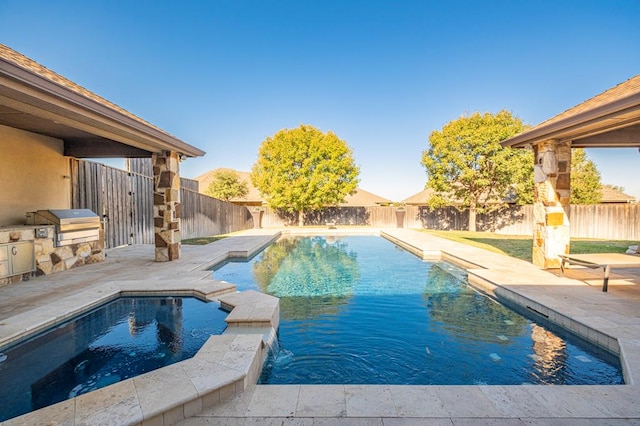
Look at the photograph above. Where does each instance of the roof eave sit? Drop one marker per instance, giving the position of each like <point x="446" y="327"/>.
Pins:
<point x="558" y="129"/>
<point x="103" y="116"/>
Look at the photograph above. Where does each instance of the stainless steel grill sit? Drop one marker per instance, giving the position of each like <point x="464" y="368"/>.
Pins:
<point x="72" y="225"/>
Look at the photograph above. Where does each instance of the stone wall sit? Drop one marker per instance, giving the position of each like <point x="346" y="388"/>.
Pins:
<point x="50" y="259"/>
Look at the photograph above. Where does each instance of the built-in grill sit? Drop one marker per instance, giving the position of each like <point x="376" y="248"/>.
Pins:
<point x="72" y="225"/>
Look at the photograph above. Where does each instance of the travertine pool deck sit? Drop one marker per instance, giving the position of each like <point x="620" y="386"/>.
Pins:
<point x="612" y="319"/>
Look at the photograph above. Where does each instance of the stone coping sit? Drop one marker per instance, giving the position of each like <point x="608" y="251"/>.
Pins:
<point x="241" y="247"/>
<point x="251" y="309"/>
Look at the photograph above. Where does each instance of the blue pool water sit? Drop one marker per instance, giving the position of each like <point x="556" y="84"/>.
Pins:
<point x="121" y="339"/>
<point x="360" y="310"/>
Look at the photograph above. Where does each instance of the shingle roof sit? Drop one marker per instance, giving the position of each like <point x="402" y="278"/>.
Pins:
<point x="622" y="90"/>
<point x="363" y="198"/>
<point x="28" y="75"/>
<point x="419" y="198"/>
<point x="610" y="195"/>
<point x="596" y="122"/>
<point x="26" y="63"/>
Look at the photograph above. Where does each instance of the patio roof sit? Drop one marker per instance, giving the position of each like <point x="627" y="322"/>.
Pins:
<point x="36" y="99"/>
<point x="608" y="120"/>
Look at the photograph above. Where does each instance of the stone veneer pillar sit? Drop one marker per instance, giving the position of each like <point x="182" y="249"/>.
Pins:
<point x="166" y="205"/>
<point x="552" y="190"/>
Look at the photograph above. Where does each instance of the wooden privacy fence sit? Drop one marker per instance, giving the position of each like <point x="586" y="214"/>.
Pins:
<point x="605" y="221"/>
<point x="205" y="216"/>
<point x="124" y="201"/>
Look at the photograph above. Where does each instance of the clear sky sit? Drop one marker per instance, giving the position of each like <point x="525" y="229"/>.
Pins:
<point x="223" y="75"/>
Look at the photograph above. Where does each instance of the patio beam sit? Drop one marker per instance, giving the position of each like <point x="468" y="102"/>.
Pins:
<point x="628" y="137"/>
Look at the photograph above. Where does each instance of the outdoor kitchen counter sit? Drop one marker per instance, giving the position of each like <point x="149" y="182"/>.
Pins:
<point x="14" y="233"/>
<point x="9" y="228"/>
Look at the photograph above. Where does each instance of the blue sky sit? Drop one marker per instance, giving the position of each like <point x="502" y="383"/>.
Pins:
<point x="223" y="75"/>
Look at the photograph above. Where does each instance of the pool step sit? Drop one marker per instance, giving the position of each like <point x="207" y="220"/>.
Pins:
<point x="251" y="309"/>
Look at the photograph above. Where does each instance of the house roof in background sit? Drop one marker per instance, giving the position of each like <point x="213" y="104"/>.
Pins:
<point x="363" y="198"/>
<point x="360" y="198"/>
<point x="419" y="198"/>
<point x="610" y="119"/>
<point x="253" y="196"/>
<point x="611" y="195"/>
<point x="36" y="99"/>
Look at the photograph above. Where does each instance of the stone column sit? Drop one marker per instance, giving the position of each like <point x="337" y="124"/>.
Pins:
<point x="166" y="205"/>
<point x="552" y="190"/>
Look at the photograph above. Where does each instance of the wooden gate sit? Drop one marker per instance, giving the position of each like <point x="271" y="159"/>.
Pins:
<point x="123" y="200"/>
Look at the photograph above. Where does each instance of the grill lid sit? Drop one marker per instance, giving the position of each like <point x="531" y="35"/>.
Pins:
<point x="76" y="215"/>
<point x="67" y="219"/>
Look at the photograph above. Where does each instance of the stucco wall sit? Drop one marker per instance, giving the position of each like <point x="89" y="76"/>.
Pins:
<point x="34" y="175"/>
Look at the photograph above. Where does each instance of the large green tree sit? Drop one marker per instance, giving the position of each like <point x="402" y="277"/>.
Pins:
<point x="227" y="184"/>
<point x="467" y="167"/>
<point x="304" y="169"/>
<point x="586" y="187"/>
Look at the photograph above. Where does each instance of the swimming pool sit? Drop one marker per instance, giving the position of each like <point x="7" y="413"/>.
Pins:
<point x="124" y="338"/>
<point x="360" y="310"/>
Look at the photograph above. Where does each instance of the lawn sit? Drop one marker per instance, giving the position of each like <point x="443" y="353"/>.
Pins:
<point x="520" y="246"/>
<point x="201" y="241"/>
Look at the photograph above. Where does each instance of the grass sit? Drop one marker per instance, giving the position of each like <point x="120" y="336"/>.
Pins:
<point x="201" y="241"/>
<point x="520" y="246"/>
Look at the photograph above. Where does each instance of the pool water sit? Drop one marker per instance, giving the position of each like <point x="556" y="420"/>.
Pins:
<point x="119" y="340"/>
<point x="360" y="310"/>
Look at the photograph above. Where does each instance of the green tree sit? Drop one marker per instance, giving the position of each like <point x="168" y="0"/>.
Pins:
<point x="617" y="188"/>
<point x="586" y="187"/>
<point x="227" y="184"/>
<point x="467" y="167"/>
<point x="304" y="169"/>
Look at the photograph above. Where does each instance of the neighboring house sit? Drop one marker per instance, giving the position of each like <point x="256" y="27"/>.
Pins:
<point x="613" y="196"/>
<point x="361" y="198"/>
<point x="253" y="197"/>
<point x="46" y="121"/>
<point x="421" y="198"/>
<point x="609" y="196"/>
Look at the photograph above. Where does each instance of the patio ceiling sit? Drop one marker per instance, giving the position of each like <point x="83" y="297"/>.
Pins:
<point x="35" y="99"/>
<point x="608" y="120"/>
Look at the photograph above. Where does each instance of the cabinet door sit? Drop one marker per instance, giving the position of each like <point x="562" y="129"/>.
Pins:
<point x="4" y="261"/>
<point x="22" y="257"/>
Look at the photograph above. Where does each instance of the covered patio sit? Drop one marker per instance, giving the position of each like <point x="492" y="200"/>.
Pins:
<point x="608" y="120"/>
<point x="45" y="119"/>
